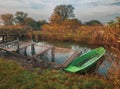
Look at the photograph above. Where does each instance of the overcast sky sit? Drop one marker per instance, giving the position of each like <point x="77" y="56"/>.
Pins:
<point x="85" y="10"/>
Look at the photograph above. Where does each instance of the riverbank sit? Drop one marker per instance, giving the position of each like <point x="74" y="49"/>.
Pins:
<point x="50" y="78"/>
<point x="95" y="35"/>
<point x="101" y="36"/>
<point x="14" y="76"/>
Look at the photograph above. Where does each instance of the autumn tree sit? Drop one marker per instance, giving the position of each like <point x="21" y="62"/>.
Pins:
<point x="20" y="17"/>
<point x="35" y="25"/>
<point x="115" y="23"/>
<point x="29" y="22"/>
<point x="7" y="19"/>
<point x="61" y="13"/>
<point x="72" y="23"/>
<point x="55" y="19"/>
<point x="118" y="21"/>
<point x="93" y="22"/>
<point x="112" y="23"/>
<point x="42" y="22"/>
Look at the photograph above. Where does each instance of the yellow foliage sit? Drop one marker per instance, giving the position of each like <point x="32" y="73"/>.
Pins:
<point x="97" y="35"/>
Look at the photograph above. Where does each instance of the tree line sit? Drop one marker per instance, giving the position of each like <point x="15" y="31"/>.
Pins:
<point x="63" y="14"/>
<point x="20" y="18"/>
<point x="66" y="12"/>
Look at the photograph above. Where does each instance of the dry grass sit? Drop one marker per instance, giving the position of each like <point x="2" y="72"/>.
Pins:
<point x="97" y="35"/>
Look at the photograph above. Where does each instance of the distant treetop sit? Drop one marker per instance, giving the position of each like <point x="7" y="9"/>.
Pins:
<point x="93" y="22"/>
<point x="61" y="13"/>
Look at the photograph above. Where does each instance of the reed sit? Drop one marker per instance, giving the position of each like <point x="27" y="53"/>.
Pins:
<point x="96" y="35"/>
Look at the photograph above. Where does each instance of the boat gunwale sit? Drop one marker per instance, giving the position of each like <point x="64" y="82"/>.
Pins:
<point x="87" y="64"/>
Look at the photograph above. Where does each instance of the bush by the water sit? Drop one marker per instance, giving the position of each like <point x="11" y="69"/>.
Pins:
<point x="96" y="35"/>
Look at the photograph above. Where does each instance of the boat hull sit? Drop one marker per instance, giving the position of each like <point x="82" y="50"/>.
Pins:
<point x="85" y="61"/>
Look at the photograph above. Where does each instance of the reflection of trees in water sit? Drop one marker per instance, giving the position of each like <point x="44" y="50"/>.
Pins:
<point x="114" y="70"/>
<point x="1" y="39"/>
<point x="82" y="49"/>
<point x="110" y="65"/>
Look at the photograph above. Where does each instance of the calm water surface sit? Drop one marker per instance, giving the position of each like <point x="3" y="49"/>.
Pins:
<point x="61" y="56"/>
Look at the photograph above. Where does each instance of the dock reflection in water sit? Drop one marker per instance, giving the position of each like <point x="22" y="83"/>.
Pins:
<point x="64" y="50"/>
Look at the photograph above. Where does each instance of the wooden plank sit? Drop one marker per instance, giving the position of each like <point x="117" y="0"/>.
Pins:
<point x="42" y="52"/>
<point x="46" y="46"/>
<point x="71" y="58"/>
<point x="11" y="51"/>
<point x="25" y="45"/>
<point x="15" y="41"/>
<point x="9" y="43"/>
<point x="7" y="49"/>
<point x="53" y="54"/>
<point x="22" y="56"/>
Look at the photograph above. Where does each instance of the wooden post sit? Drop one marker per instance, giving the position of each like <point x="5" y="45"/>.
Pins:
<point x="18" y="47"/>
<point x="6" y="37"/>
<point x="17" y="36"/>
<point x="32" y="46"/>
<point x="53" y="54"/>
<point x="32" y="49"/>
<point x="25" y="51"/>
<point x="3" y="39"/>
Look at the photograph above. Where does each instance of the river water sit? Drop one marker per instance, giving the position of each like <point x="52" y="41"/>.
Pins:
<point x="102" y="66"/>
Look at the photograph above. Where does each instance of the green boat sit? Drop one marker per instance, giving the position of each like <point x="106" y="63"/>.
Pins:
<point x="86" y="60"/>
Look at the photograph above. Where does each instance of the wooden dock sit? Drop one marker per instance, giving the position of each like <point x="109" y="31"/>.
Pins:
<point x="10" y="46"/>
<point x="7" y="49"/>
<point x="43" y="51"/>
<point x="23" y="45"/>
<point x="20" y="45"/>
<point x="71" y="58"/>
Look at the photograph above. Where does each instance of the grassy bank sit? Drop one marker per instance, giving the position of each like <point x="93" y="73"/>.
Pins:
<point x="13" y="76"/>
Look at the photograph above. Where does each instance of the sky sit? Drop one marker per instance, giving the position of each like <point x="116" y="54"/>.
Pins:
<point x="85" y="10"/>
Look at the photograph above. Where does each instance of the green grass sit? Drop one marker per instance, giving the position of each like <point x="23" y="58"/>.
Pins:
<point x="13" y="76"/>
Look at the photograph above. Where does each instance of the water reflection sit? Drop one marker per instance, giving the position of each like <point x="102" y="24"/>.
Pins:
<point x="104" y="67"/>
<point x="61" y="56"/>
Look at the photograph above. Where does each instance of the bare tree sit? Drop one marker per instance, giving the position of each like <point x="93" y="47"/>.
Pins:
<point x="7" y="19"/>
<point x="62" y="12"/>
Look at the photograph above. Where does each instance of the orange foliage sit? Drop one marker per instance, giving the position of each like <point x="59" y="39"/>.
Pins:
<point x="97" y="35"/>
